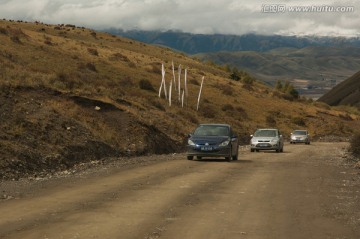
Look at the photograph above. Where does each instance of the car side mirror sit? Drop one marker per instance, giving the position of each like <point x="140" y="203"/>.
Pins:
<point x="189" y="135"/>
<point x="251" y="135"/>
<point x="280" y="135"/>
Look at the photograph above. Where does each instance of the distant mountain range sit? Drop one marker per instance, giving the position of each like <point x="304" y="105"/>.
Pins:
<point x="313" y="64"/>
<point x="319" y="64"/>
<point x="200" y="43"/>
<point x="345" y="93"/>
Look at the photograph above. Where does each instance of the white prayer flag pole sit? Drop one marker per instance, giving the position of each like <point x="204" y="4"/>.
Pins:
<point x="173" y="71"/>
<point x="201" y="86"/>
<point x="179" y="77"/>
<point x="170" y="93"/>
<point x="162" y="79"/>
<point x="185" y="86"/>
<point x="182" y="99"/>
<point x="163" y="74"/>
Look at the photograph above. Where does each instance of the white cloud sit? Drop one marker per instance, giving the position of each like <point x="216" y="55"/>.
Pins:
<point x="196" y="16"/>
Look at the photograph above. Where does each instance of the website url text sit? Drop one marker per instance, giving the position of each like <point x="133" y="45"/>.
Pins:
<point x="282" y="8"/>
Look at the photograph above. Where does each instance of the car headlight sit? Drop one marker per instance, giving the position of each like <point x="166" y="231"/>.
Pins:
<point x="190" y="142"/>
<point x="225" y="143"/>
<point x="274" y="140"/>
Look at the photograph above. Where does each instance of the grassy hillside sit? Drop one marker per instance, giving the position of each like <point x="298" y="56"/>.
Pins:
<point x="345" y="93"/>
<point x="71" y="95"/>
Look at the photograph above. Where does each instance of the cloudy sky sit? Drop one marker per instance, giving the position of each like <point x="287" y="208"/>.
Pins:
<point x="287" y="17"/>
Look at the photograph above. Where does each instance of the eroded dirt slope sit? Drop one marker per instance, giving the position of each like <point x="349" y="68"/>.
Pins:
<point x="43" y="131"/>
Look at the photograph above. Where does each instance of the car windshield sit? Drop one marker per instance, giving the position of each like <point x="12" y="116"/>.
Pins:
<point x="299" y="132"/>
<point x="265" y="133"/>
<point x="211" y="130"/>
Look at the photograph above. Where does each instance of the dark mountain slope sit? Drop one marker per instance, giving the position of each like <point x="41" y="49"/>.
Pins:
<point x="345" y="93"/>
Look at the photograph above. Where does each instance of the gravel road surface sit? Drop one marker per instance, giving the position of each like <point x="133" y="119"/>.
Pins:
<point x="306" y="192"/>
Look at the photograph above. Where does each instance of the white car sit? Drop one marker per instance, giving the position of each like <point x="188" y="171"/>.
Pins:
<point x="267" y="139"/>
<point x="300" y="136"/>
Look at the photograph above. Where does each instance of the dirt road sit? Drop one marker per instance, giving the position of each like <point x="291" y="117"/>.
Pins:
<point x="305" y="192"/>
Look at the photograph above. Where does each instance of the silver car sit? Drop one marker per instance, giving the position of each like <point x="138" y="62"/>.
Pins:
<point x="300" y="136"/>
<point x="267" y="139"/>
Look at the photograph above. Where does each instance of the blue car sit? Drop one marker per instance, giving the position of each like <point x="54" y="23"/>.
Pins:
<point x="213" y="140"/>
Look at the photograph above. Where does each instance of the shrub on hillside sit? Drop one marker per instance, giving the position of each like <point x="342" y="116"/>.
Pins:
<point x="248" y="80"/>
<point x="119" y="57"/>
<point x="132" y="64"/>
<point x="146" y="85"/>
<point x="248" y="87"/>
<point x="241" y="112"/>
<point x="242" y="76"/>
<point x="298" y="121"/>
<point x="154" y="68"/>
<point x="93" y="51"/>
<point x="91" y="67"/>
<point x="48" y="42"/>
<point x="189" y="116"/>
<point x="226" y="89"/>
<point x="227" y="107"/>
<point x="65" y="81"/>
<point x="270" y="120"/>
<point x="287" y="96"/>
<point x="355" y="145"/>
<point x="3" y="31"/>
<point x="346" y="117"/>
<point x="208" y="111"/>
<point x="157" y="104"/>
<point x="288" y="90"/>
<point x="15" y="39"/>
<point x="194" y="82"/>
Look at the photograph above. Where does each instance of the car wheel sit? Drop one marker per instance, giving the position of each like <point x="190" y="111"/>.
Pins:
<point x="190" y="157"/>
<point x="252" y="150"/>
<point x="230" y="156"/>
<point x="235" y="157"/>
<point x="282" y="149"/>
<point x="199" y="157"/>
<point x="257" y="150"/>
